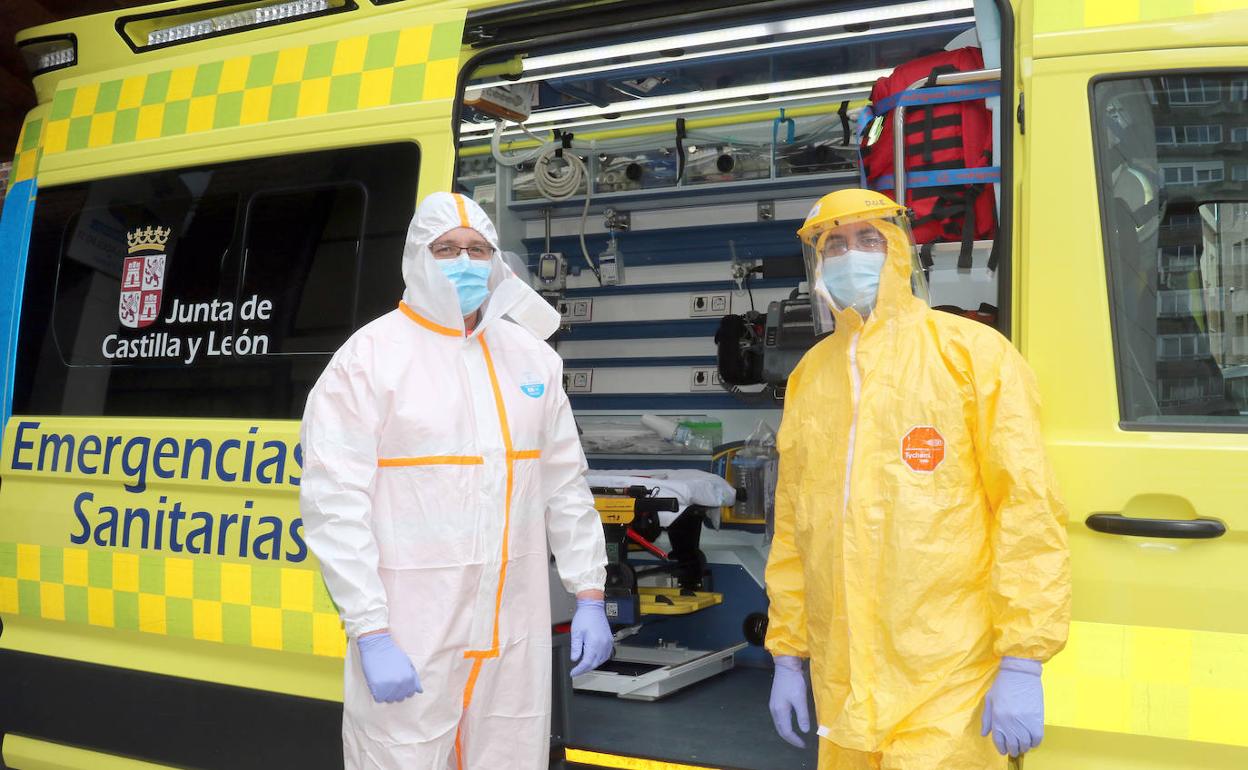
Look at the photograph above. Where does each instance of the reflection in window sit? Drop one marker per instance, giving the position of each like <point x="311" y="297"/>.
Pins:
<point x="1180" y="222"/>
<point x="1193" y="173"/>
<point x="303" y="258"/>
<point x="1177" y="302"/>
<point x="1239" y="253"/>
<point x="1183" y="256"/>
<point x="1172" y="346"/>
<point x="1199" y="134"/>
<point x="1173" y="172"/>
<point x="1207" y="134"/>
<point x="1182" y="389"/>
<point x="1192" y="90"/>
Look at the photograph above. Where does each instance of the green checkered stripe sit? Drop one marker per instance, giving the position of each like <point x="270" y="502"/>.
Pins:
<point x="382" y="69"/>
<point x="269" y="606"/>
<point x="29" y="150"/>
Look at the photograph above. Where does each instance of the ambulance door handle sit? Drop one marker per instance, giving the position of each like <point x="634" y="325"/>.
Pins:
<point x="1184" y="529"/>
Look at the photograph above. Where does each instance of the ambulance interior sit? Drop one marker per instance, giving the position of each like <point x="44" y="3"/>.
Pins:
<point x="650" y="185"/>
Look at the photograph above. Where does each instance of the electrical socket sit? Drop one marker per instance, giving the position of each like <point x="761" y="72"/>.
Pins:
<point x="704" y="378"/>
<point x="710" y="304"/>
<point x="578" y="309"/>
<point x="578" y="380"/>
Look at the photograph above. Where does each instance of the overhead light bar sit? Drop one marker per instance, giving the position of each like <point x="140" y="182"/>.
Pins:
<point x="475" y="131"/>
<point x="251" y="17"/>
<point x="58" y="57"/>
<point x="744" y="112"/>
<point x="659" y="60"/>
<point x="784" y="89"/>
<point x="45" y="54"/>
<point x="721" y="36"/>
<point x="840" y="95"/>
<point x="470" y="132"/>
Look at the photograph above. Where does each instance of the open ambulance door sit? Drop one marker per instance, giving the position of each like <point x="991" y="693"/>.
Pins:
<point x="1134" y="314"/>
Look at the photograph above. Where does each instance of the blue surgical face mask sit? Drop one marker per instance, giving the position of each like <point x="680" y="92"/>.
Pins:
<point x="470" y="278"/>
<point x="853" y="279"/>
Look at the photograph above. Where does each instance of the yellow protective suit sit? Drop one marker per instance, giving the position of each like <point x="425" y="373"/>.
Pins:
<point x="438" y="467"/>
<point x="919" y="535"/>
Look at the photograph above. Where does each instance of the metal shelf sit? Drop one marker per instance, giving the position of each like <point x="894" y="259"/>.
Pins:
<point x="703" y="194"/>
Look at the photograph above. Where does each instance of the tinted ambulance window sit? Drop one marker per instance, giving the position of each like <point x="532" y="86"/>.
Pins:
<point x="302" y="265"/>
<point x="1176" y="227"/>
<point x="212" y="291"/>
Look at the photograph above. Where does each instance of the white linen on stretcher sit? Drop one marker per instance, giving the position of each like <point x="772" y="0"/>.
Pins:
<point x="689" y="487"/>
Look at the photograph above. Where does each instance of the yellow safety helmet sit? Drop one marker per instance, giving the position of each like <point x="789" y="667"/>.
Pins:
<point x="851" y="205"/>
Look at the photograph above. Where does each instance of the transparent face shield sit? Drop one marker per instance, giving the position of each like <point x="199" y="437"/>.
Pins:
<point x="845" y="259"/>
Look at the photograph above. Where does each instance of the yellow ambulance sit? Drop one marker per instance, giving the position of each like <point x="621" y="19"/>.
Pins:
<point x="210" y="197"/>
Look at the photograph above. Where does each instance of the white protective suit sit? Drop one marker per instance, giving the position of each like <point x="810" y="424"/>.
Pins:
<point x="437" y="469"/>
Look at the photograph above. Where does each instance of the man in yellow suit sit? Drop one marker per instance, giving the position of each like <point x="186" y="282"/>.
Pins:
<point x="920" y="560"/>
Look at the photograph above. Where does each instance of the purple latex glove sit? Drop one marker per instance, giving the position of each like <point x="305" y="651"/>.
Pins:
<point x="390" y="674"/>
<point x="1014" y="707"/>
<point x="788" y="698"/>
<point x="592" y="641"/>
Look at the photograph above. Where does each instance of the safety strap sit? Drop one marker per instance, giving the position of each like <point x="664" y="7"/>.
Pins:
<point x="948" y="207"/>
<point x="940" y="165"/>
<point x="680" y="149"/>
<point x="964" y="92"/>
<point x="937" y="71"/>
<point x="927" y="146"/>
<point x="944" y="121"/>
<point x="994" y="257"/>
<point x="843" y="114"/>
<point x="789" y="123"/>
<point x="926" y="143"/>
<point x="952" y="204"/>
<point x="968" y="227"/>
<point x="941" y="177"/>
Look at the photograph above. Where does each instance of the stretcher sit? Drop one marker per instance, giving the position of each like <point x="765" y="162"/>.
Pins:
<point x="634" y="515"/>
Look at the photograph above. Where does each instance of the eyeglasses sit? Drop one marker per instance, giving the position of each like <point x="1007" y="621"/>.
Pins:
<point x="452" y="250"/>
<point x="836" y="245"/>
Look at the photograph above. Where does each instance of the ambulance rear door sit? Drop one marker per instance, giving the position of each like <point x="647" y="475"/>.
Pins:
<point x="198" y="225"/>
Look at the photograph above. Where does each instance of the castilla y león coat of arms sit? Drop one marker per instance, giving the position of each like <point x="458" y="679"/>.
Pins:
<point x="143" y="276"/>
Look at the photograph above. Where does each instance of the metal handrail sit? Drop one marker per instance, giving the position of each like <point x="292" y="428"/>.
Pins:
<point x="899" y="119"/>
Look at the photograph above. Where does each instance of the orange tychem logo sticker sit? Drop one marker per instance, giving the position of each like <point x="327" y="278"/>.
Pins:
<point x="923" y="448"/>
